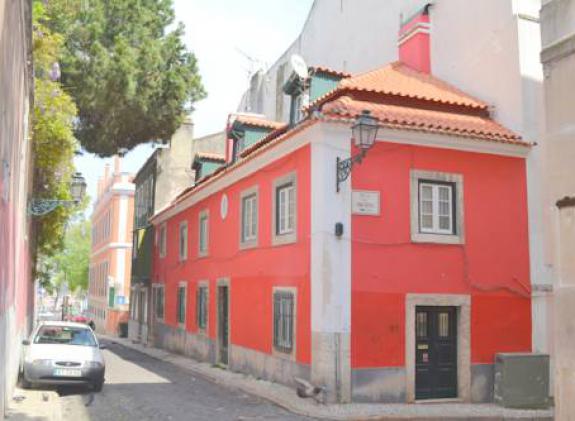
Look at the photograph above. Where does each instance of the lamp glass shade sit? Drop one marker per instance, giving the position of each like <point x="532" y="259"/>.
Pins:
<point x="77" y="187"/>
<point x="364" y="130"/>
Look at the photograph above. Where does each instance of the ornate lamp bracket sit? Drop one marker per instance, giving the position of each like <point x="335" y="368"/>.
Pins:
<point x="41" y="207"/>
<point x="344" y="166"/>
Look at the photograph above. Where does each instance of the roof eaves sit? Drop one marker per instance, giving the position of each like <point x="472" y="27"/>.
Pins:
<point x="209" y="157"/>
<point x="328" y="71"/>
<point x="350" y="117"/>
<point x="226" y="169"/>
<point x="266" y="139"/>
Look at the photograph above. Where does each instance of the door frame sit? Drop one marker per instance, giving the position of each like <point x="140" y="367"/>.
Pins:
<point x="222" y="282"/>
<point x="462" y="304"/>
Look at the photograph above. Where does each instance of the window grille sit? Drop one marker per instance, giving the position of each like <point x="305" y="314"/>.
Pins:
<point x="283" y="321"/>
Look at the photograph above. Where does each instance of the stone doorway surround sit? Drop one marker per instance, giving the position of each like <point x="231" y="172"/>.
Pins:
<point x="463" y="314"/>
<point x="222" y="282"/>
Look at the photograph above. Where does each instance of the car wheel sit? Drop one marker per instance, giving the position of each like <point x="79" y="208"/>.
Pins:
<point x="97" y="386"/>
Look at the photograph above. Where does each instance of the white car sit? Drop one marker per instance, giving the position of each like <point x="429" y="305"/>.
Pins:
<point x="63" y="353"/>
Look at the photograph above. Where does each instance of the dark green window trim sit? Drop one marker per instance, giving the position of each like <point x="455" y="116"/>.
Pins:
<point x="181" y="309"/>
<point x="284" y="321"/>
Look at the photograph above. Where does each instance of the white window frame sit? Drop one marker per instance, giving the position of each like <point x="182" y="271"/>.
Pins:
<point x="183" y="252"/>
<point x="276" y="352"/>
<point x="289" y="235"/>
<point x="456" y="235"/>
<point x="436" y="188"/>
<point x="163" y="239"/>
<point x="252" y="240"/>
<point x="203" y="248"/>
<point x="156" y="287"/>
<point x="184" y="285"/>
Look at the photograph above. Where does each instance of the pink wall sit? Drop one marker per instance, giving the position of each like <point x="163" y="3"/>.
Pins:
<point x="492" y="265"/>
<point x="415" y="51"/>
<point x="252" y="272"/>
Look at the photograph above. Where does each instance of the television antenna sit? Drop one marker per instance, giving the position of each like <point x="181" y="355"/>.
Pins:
<point x="255" y="65"/>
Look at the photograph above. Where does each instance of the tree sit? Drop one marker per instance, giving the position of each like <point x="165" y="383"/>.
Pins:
<point x="74" y="260"/>
<point x="130" y="76"/>
<point x="53" y="139"/>
<point x="71" y="265"/>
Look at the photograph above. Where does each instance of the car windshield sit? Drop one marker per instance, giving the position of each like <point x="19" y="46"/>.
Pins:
<point x="66" y="335"/>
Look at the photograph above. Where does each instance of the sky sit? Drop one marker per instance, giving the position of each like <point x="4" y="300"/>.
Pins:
<point x="222" y="34"/>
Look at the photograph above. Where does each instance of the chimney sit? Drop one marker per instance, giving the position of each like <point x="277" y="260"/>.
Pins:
<point x="414" y="41"/>
<point x="106" y="173"/>
<point x="117" y="165"/>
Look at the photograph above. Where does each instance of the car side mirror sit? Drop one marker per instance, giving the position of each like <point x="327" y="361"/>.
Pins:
<point x="26" y="342"/>
<point x="102" y="346"/>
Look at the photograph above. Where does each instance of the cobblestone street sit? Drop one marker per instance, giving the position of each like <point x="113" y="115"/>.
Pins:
<point x="139" y="387"/>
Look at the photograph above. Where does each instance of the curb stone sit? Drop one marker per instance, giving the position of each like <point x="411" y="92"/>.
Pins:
<point x="38" y="404"/>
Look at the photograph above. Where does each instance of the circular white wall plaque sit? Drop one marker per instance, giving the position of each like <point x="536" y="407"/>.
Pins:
<point x="224" y="206"/>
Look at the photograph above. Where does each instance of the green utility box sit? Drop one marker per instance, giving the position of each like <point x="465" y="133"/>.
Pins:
<point x="522" y="380"/>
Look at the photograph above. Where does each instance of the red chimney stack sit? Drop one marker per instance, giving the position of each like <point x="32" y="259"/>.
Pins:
<point x="414" y="41"/>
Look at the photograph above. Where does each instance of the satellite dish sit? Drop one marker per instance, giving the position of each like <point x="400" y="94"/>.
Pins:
<point x="298" y="66"/>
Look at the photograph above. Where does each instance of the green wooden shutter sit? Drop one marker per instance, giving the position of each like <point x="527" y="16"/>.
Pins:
<point x="277" y="318"/>
<point x="112" y="297"/>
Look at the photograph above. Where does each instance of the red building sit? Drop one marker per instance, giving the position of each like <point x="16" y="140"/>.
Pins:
<point x="400" y="283"/>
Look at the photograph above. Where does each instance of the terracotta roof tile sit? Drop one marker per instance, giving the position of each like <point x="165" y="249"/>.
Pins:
<point x="258" y="122"/>
<point x="401" y="80"/>
<point x="436" y="121"/>
<point x="210" y="156"/>
<point x="270" y="136"/>
<point x="327" y="70"/>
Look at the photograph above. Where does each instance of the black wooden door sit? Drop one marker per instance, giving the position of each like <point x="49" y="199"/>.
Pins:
<point x="223" y="324"/>
<point x="435" y="352"/>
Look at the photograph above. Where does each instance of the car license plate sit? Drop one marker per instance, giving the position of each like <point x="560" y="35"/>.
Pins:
<point x="67" y="372"/>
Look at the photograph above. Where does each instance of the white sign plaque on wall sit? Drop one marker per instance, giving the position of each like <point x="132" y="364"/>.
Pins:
<point x="365" y="202"/>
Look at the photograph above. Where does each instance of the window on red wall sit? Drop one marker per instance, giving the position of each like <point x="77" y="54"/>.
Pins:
<point x="162" y="240"/>
<point x="183" y="240"/>
<point x="284" y="320"/>
<point x="181" y="304"/>
<point x="158" y="291"/>
<point x="203" y="228"/>
<point x="249" y="218"/>
<point x="202" y="307"/>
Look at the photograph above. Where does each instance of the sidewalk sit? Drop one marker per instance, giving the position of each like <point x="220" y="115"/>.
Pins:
<point x="37" y="405"/>
<point x="287" y="398"/>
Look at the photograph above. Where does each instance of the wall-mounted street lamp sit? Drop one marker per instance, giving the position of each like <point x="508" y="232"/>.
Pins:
<point x="40" y="207"/>
<point x="364" y="132"/>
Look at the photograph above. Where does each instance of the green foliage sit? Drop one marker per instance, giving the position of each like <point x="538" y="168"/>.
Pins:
<point x="130" y="76"/>
<point x="71" y="265"/>
<point x="52" y="136"/>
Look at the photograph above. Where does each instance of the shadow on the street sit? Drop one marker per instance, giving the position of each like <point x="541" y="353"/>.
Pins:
<point x="141" y="387"/>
